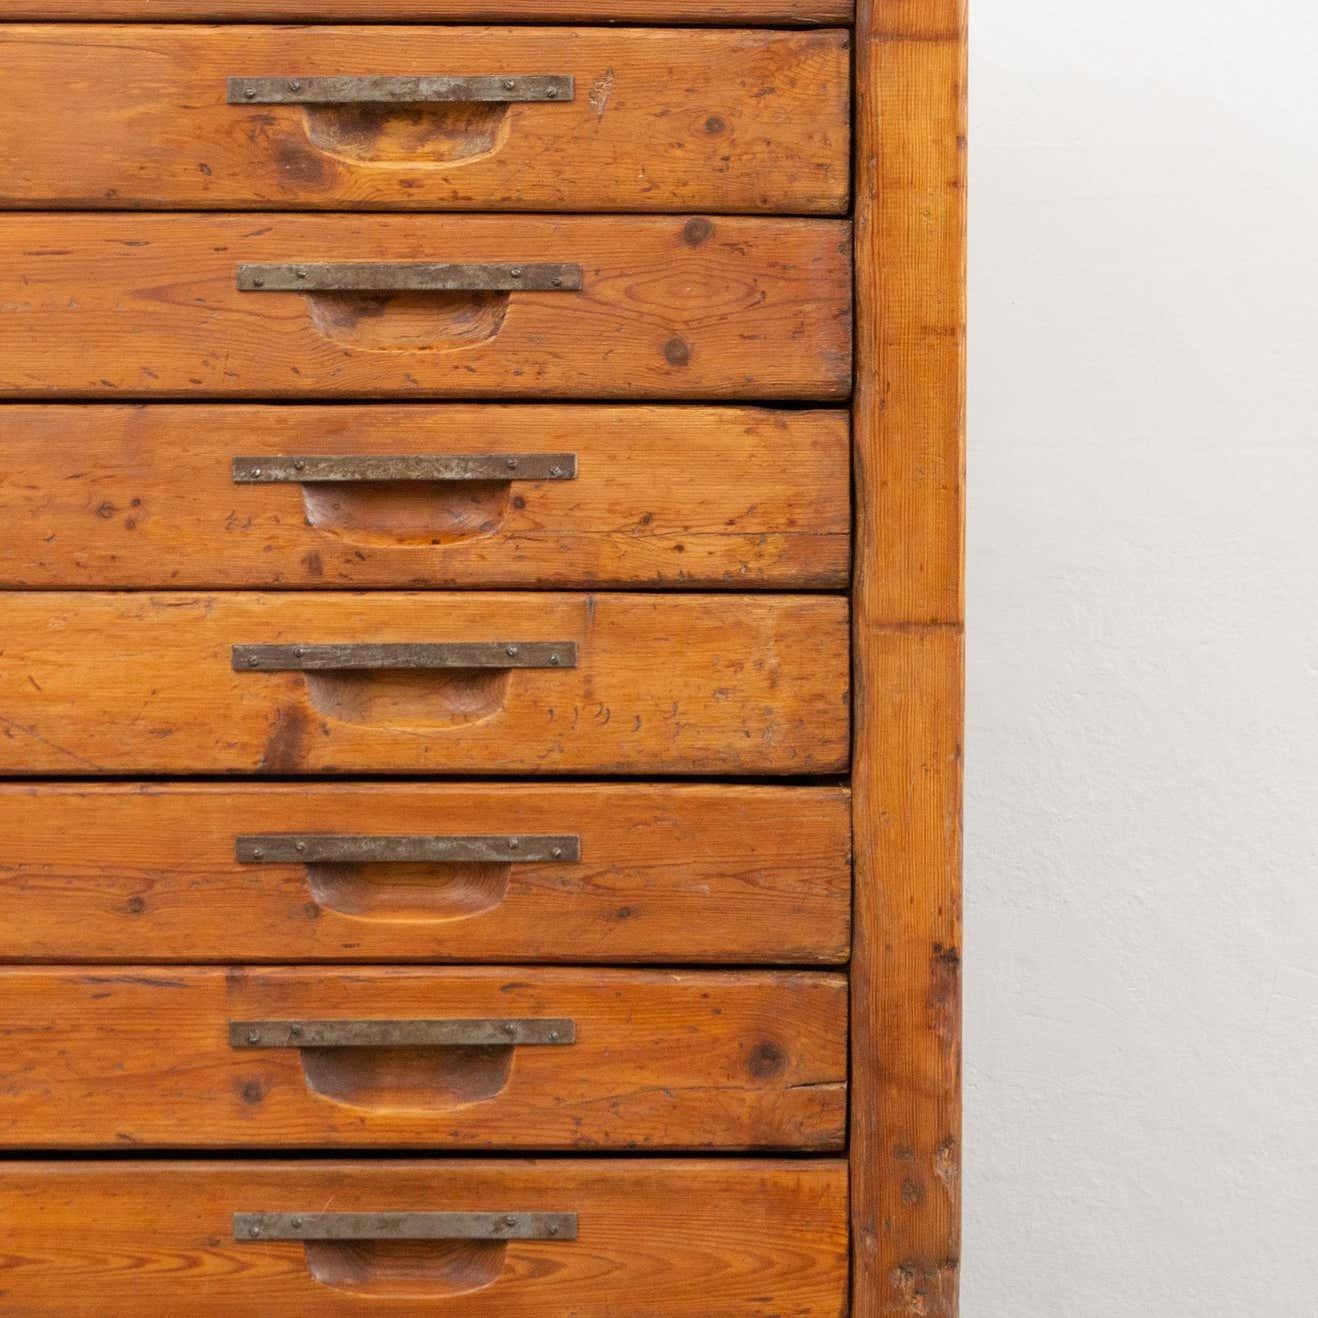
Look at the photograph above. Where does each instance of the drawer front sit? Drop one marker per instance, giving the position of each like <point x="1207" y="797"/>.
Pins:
<point x="671" y="496"/>
<point x="443" y="1058"/>
<point x="425" y="306"/>
<point x="178" y="683"/>
<point x="681" y="1239"/>
<point x="645" y="873"/>
<point x="534" y="11"/>
<point x="380" y="117"/>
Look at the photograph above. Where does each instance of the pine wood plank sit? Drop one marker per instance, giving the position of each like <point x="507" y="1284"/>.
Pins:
<point x="130" y="1055"/>
<point x="908" y="615"/>
<point x="720" y="13"/>
<point x="685" y="497"/>
<point x="97" y="683"/>
<point x="667" y="874"/>
<point x="722" y="121"/>
<point x="677" y="1238"/>
<point x="147" y="306"/>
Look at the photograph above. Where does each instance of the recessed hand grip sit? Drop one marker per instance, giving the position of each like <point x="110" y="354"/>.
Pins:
<point x="490" y="1033"/>
<point x="359" y="849"/>
<point x="405" y="656"/>
<point x="407" y="277"/>
<point x="346" y="469"/>
<point x="436" y="89"/>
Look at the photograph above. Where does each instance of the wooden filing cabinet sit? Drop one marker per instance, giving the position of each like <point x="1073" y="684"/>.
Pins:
<point x="481" y="676"/>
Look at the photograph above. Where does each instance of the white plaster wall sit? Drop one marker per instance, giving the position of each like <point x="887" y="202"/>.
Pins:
<point x="1142" y="752"/>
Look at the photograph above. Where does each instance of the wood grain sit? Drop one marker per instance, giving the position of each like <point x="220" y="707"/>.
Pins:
<point x="692" y="497"/>
<point x="668" y="873"/>
<point x="657" y="1238"/>
<point x="105" y="306"/>
<point x="908" y="615"/>
<point x="130" y="1055"/>
<point x="720" y="13"/>
<point x="661" y="121"/>
<point x="672" y="684"/>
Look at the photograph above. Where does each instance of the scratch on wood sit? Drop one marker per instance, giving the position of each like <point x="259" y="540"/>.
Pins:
<point x="599" y="92"/>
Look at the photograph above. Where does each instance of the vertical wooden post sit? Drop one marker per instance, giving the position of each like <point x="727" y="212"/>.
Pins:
<point x="909" y="659"/>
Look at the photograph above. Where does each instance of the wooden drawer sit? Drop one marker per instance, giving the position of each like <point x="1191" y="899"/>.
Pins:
<point x="671" y="496"/>
<point x="449" y="11"/>
<point x="653" y="1239"/>
<point x="549" y="119"/>
<point x="680" y="684"/>
<point x="137" y="872"/>
<point x="150" y="306"/>
<point x="445" y="1058"/>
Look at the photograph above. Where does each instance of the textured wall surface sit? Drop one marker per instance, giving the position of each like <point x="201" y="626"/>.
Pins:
<point x="1142" y="753"/>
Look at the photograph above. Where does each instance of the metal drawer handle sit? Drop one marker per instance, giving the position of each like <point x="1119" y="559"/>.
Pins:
<point x="407" y="277"/>
<point x="441" y="655"/>
<point x="309" y="469"/>
<point x="360" y="849"/>
<point x="404" y="1226"/>
<point x="492" y="1033"/>
<point x="436" y="89"/>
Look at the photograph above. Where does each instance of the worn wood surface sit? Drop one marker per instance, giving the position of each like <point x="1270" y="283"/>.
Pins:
<point x="124" y="305"/>
<point x="130" y="1055"/>
<point x="657" y="1238"/>
<point x="661" y="121"/>
<point x="119" y="496"/>
<point x="668" y="873"/>
<point x="908" y="615"/>
<point x="722" y="12"/>
<point x="143" y="683"/>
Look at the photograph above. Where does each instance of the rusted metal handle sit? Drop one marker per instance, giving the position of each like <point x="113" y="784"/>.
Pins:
<point x="404" y="1226"/>
<point x="332" y="468"/>
<point x="430" y="90"/>
<point x="440" y="655"/>
<point x="500" y="1033"/>
<point x="407" y="277"/>
<point x="364" y="849"/>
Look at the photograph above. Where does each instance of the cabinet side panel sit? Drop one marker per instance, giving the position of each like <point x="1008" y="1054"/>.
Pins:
<point x="909" y="656"/>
